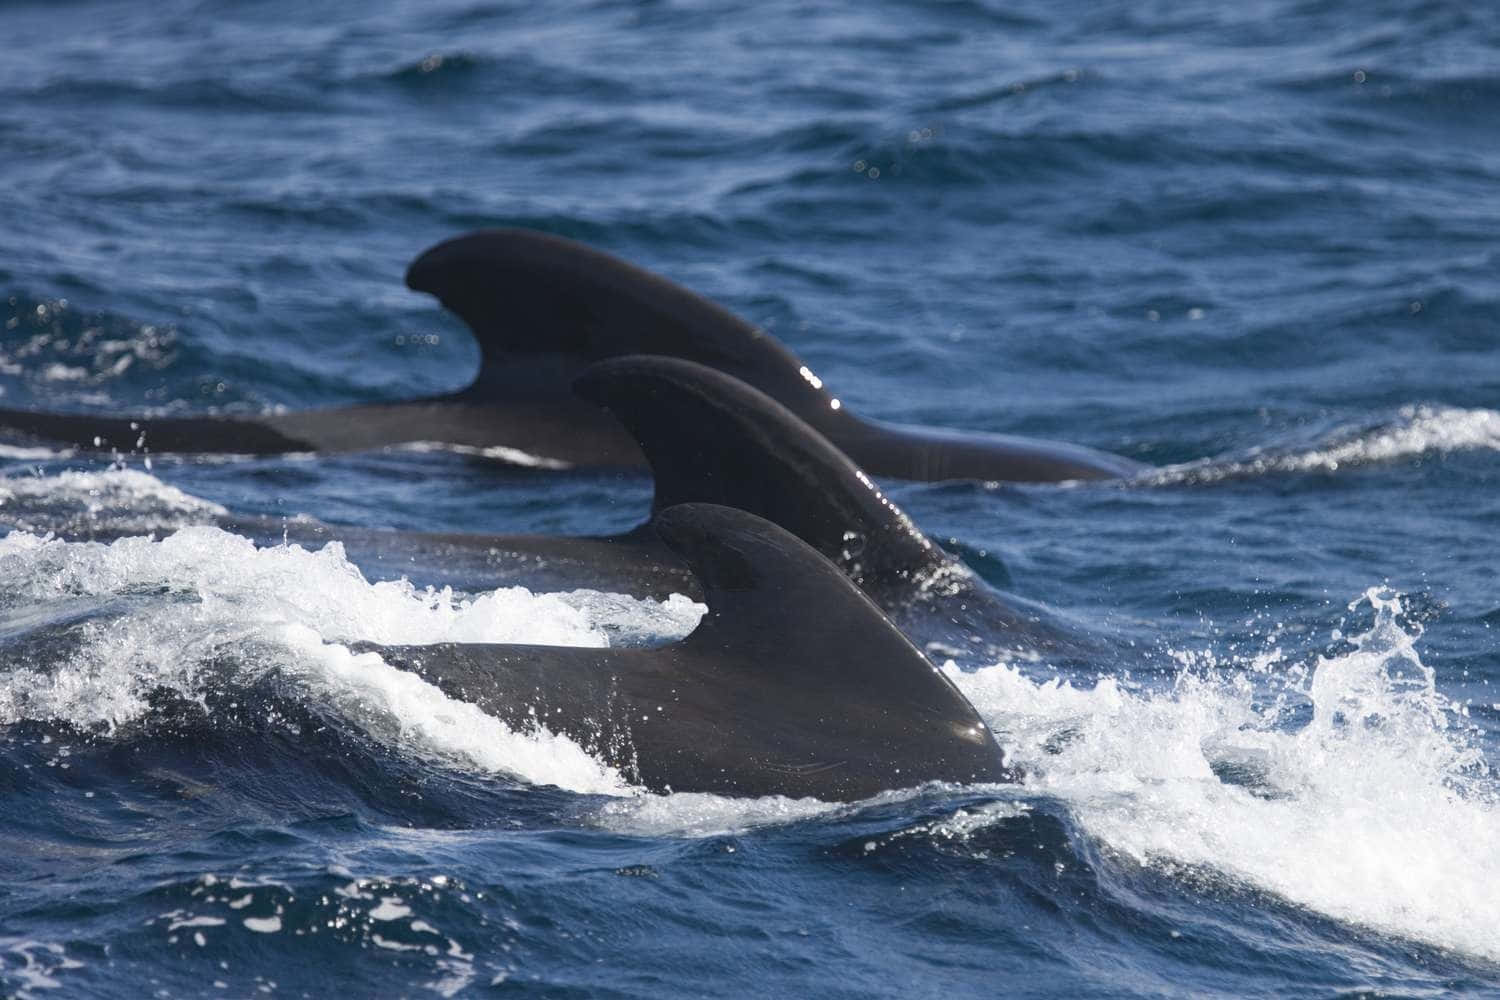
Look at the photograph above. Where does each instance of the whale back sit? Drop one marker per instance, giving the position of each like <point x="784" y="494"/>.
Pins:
<point x="794" y="683"/>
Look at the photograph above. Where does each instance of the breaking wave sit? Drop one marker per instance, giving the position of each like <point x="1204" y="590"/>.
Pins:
<point x="1416" y="431"/>
<point x="126" y="619"/>
<point x="1350" y="786"/>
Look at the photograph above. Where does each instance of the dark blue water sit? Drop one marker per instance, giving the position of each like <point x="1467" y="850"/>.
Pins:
<point x="1253" y="244"/>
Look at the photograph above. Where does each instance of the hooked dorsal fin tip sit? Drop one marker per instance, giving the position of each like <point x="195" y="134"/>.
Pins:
<point x="527" y="294"/>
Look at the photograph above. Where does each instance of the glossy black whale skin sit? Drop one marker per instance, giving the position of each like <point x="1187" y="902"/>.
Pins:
<point x="794" y="683"/>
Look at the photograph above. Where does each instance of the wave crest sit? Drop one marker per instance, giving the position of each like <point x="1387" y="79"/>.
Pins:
<point x="1417" y="430"/>
<point x="1351" y="786"/>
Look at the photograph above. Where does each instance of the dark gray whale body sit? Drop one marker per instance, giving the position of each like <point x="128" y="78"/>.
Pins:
<point x="793" y="684"/>
<point x="544" y="308"/>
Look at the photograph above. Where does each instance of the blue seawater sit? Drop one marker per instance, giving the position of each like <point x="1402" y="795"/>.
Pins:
<point x="1252" y="244"/>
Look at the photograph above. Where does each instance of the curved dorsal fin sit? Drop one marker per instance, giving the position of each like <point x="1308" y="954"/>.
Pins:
<point x="810" y="661"/>
<point x="543" y="308"/>
<point x="711" y="438"/>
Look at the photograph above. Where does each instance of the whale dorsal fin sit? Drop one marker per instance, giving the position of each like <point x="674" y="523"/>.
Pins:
<point x="812" y="673"/>
<point x="711" y="438"/>
<point x="543" y="308"/>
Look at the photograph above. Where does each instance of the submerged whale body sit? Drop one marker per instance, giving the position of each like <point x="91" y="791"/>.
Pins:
<point x="544" y="308"/>
<point x="793" y="683"/>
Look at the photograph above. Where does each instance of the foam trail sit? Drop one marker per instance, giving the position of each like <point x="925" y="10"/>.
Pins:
<point x="21" y="453"/>
<point x="699" y="814"/>
<point x="1380" y="811"/>
<point x="238" y="581"/>
<point x="89" y="494"/>
<point x="513" y="456"/>
<point x="1418" y="430"/>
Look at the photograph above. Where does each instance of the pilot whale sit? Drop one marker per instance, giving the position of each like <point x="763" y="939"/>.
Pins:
<point x="542" y="309"/>
<point x="794" y="683"/>
<point x="710" y="438"/>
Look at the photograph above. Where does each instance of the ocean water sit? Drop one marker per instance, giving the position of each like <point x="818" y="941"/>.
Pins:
<point x="1253" y="245"/>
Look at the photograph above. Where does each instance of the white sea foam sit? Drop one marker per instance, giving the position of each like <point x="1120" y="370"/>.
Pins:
<point x="130" y="498"/>
<point x="399" y="706"/>
<point x="22" y="453"/>
<point x="30" y="966"/>
<point x="57" y="372"/>
<point x="234" y="580"/>
<point x="695" y="814"/>
<point x="512" y="456"/>
<point x="630" y="621"/>
<point x="175" y="605"/>
<point x="1417" y="430"/>
<point x="1380" y="811"/>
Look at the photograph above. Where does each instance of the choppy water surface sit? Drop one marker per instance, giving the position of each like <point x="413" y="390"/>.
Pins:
<point x="1252" y="245"/>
